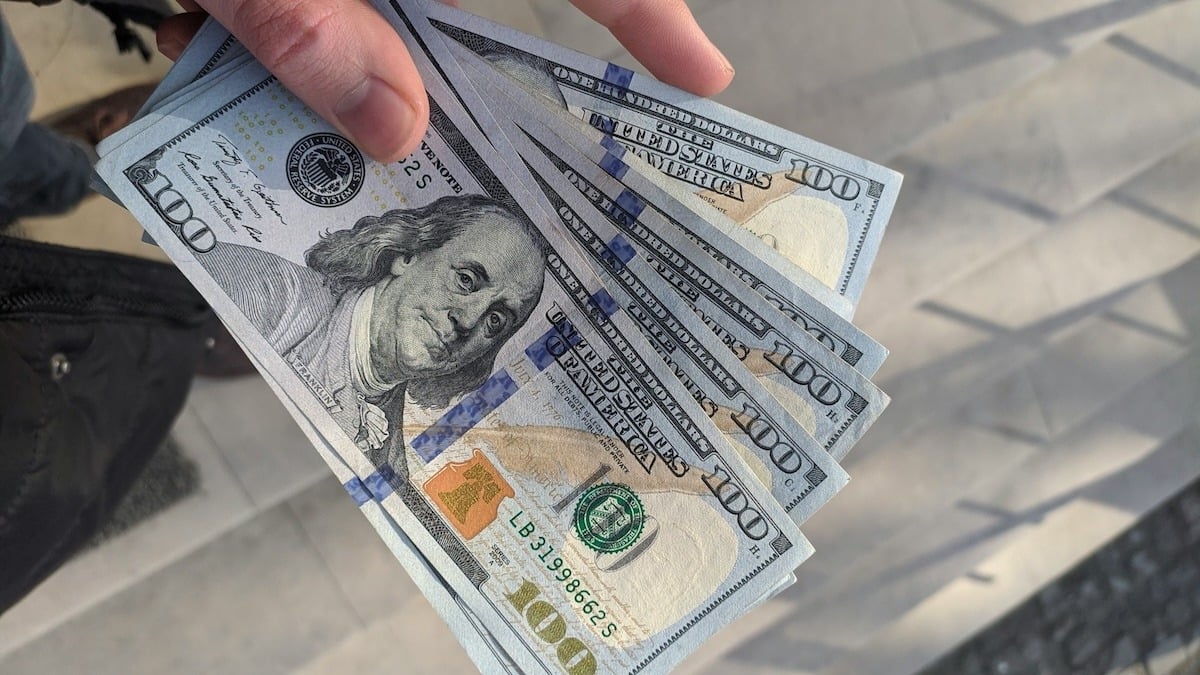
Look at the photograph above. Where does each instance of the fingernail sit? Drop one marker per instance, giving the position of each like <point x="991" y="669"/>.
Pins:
<point x="378" y="118"/>
<point x="725" y="60"/>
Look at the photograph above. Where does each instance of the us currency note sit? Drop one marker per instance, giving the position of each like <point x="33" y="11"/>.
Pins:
<point x="211" y="49"/>
<point x="830" y="399"/>
<point x="566" y="471"/>
<point x="834" y="332"/>
<point x="833" y="403"/>
<point x="822" y="209"/>
<point x="208" y="49"/>
<point x="481" y="647"/>
<point x="800" y="473"/>
<point x="725" y="244"/>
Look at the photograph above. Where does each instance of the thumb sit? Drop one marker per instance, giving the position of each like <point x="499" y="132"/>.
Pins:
<point x="343" y="60"/>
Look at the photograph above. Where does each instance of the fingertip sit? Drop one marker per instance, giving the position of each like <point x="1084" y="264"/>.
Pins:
<point x="176" y="31"/>
<point x="169" y="46"/>
<point x="713" y="81"/>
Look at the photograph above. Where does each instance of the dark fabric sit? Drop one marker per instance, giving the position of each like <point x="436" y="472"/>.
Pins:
<point x="96" y="356"/>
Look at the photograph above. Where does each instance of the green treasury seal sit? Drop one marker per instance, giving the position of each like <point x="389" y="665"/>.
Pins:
<point x="609" y="517"/>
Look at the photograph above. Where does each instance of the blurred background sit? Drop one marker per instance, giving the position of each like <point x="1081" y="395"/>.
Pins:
<point x="1028" y="504"/>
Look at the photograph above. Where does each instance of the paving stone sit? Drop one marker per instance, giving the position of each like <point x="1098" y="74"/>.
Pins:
<point x="1080" y="373"/>
<point x="1144" y="565"/>
<point x="1164" y="535"/>
<point x="1193" y="647"/>
<point x="916" y="64"/>
<point x="1183" y="578"/>
<point x="412" y="639"/>
<point x="873" y="587"/>
<point x="944" y="349"/>
<point x="1079" y="357"/>
<point x="259" y="599"/>
<point x="257" y="437"/>
<point x="1189" y="510"/>
<point x="1177" y="613"/>
<point x="941" y="230"/>
<point x="366" y="572"/>
<point x="1107" y="247"/>
<point x="518" y="14"/>
<point x="971" y="664"/>
<point x="945" y="229"/>
<point x="1052" y="599"/>
<point x="1167" y="656"/>
<point x="563" y="23"/>
<point x="957" y="452"/>
<point x="1030" y="146"/>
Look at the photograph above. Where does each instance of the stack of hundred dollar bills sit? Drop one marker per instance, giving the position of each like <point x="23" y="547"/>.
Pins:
<point x="584" y="359"/>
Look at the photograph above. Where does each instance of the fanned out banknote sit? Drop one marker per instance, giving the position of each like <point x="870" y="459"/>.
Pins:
<point x="821" y="209"/>
<point x="572" y="474"/>
<point x="584" y="402"/>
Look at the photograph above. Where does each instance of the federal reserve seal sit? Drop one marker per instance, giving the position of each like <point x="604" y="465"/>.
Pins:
<point x="609" y="518"/>
<point x="325" y="170"/>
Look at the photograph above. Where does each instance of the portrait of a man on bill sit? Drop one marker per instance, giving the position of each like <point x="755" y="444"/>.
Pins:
<point x="414" y="302"/>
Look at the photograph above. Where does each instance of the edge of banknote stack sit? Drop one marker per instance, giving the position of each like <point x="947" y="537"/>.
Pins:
<point x="584" y="360"/>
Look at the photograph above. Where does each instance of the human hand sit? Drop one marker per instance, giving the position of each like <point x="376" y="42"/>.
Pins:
<point x="347" y="63"/>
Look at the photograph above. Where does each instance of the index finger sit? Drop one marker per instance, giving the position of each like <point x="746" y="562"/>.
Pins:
<point x="664" y="36"/>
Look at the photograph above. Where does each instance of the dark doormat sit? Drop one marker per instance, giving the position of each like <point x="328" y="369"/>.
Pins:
<point x="1132" y="608"/>
<point x="169" y="477"/>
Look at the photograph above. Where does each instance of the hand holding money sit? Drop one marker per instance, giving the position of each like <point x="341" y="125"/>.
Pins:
<point x="583" y="405"/>
<point x="345" y="62"/>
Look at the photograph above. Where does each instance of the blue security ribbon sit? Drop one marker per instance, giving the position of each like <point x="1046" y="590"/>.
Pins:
<point x="357" y="491"/>
<point x="464" y="415"/>
<point x="618" y="76"/>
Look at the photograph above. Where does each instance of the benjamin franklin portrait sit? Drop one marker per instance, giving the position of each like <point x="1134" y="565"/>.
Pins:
<point x="414" y="302"/>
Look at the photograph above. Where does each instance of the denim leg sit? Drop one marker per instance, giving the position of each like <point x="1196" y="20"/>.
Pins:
<point x="41" y="171"/>
<point x="16" y="90"/>
<point x="44" y="174"/>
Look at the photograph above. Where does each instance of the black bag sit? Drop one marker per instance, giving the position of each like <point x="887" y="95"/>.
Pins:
<point x="97" y="353"/>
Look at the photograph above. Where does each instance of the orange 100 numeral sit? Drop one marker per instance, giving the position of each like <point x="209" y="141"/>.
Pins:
<point x="548" y="624"/>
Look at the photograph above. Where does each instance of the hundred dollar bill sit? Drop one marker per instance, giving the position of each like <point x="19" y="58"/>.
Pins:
<point x="483" y="650"/>
<point x="481" y="647"/>
<point x="724" y="244"/>
<point x="832" y="402"/>
<point x="208" y="49"/>
<point x="835" y="403"/>
<point x="830" y="329"/>
<point x="211" y="49"/>
<point x="822" y="208"/>
<point x="568" y="485"/>
<point x="799" y="471"/>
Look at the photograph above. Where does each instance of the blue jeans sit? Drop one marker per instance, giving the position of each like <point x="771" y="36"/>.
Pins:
<point x="41" y="171"/>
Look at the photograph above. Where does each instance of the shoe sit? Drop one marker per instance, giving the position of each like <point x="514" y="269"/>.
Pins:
<point x="95" y="120"/>
<point x="223" y="357"/>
